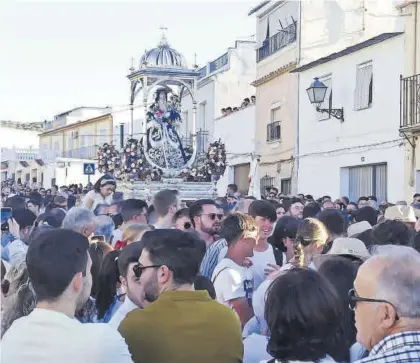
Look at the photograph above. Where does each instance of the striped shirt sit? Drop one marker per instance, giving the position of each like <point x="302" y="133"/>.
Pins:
<point x="397" y="348"/>
<point x="211" y="258"/>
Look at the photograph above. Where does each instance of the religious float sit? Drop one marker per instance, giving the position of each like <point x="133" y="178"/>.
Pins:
<point x="159" y="159"/>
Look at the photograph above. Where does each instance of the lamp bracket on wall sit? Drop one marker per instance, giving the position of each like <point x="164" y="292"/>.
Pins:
<point x="338" y="113"/>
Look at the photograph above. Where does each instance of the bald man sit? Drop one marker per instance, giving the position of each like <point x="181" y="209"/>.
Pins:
<point x="386" y="300"/>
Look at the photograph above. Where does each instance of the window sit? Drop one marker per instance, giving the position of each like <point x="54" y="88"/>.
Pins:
<point x="241" y="177"/>
<point x="274" y="127"/>
<point x="275" y="114"/>
<point x="274" y="131"/>
<point x="363" y="94"/>
<point x="286" y="186"/>
<point x="368" y="180"/>
<point x="266" y="182"/>
<point x="327" y="104"/>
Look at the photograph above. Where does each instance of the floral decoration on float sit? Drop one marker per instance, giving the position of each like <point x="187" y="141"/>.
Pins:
<point x="216" y="158"/>
<point x="109" y="160"/>
<point x="136" y="165"/>
<point x="210" y="168"/>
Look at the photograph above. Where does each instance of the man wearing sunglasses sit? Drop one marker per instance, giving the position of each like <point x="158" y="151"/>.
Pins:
<point x="206" y="220"/>
<point x="386" y="301"/>
<point x="180" y="325"/>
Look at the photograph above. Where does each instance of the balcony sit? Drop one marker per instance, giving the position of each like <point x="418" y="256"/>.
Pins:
<point x="86" y="152"/>
<point x="410" y="103"/>
<point x="27" y="155"/>
<point x="276" y="42"/>
<point x="203" y="141"/>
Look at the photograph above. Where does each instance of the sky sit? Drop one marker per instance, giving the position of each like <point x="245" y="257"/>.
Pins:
<point x="58" y="55"/>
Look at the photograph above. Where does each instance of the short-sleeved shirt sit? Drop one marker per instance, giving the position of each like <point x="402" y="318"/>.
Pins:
<point x="232" y="281"/>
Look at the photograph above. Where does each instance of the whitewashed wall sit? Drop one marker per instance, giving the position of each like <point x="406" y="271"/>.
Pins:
<point x="226" y="87"/>
<point x="330" y="26"/>
<point x="74" y="173"/>
<point x="237" y="131"/>
<point x="319" y="169"/>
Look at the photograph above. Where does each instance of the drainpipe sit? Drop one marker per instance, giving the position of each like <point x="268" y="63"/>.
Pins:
<point x="297" y="150"/>
<point x="412" y="179"/>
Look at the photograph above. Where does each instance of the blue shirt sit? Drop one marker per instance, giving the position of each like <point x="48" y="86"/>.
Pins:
<point x="211" y="258"/>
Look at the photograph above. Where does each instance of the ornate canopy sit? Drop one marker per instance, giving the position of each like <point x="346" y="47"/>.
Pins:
<point x="165" y="67"/>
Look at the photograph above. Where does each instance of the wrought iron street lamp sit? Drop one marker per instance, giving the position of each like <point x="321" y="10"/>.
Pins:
<point x="316" y="93"/>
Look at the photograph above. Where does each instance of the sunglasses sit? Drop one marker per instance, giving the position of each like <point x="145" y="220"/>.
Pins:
<point x="354" y="299"/>
<point x="138" y="269"/>
<point x="213" y="216"/>
<point x="187" y="225"/>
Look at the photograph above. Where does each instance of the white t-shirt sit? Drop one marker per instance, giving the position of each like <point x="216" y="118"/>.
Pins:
<point x="255" y="348"/>
<point x="97" y="199"/>
<point x="46" y="336"/>
<point x="260" y="260"/>
<point x="232" y="281"/>
<point x="122" y="312"/>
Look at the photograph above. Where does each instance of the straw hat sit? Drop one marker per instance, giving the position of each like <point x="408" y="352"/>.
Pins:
<point x="358" y="227"/>
<point x="402" y="213"/>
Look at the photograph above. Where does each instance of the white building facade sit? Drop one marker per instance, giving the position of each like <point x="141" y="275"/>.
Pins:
<point x="224" y="82"/>
<point x="363" y="154"/>
<point x="356" y="49"/>
<point x="237" y="131"/>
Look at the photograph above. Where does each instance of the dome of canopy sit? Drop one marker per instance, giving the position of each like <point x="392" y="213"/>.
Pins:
<point x="163" y="56"/>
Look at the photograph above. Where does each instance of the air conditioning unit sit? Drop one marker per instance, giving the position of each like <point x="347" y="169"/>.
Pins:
<point x="75" y="134"/>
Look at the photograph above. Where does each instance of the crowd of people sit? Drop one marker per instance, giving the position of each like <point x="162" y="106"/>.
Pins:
<point x="226" y="111"/>
<point x="88" y="276"/>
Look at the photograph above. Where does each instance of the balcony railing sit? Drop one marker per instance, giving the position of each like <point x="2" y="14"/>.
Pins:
<point x="202" y="141"/>
<point x="86" y="152"/>
<point x="28" y="155"/>
<point x="276" y="42"/>
<point x="410" y="101"/>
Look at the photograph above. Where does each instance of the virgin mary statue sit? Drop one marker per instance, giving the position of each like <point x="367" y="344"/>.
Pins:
<point x="163" y="144"/>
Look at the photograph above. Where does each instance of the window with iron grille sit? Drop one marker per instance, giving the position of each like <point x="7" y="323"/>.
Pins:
<point x="286" y="186"/>
<point x="274" y="131"/>
<point x="274" y="127"/>
<point x="266" y="182"/>
<point x="363" y="94"/>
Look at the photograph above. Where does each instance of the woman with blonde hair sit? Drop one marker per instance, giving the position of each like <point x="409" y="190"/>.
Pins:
<point x="132" y="233"/>
<point x="310" y="240"/>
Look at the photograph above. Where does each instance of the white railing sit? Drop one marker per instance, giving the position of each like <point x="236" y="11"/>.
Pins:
<point x="16" y="154"/>
<point x="85" y="152"/>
